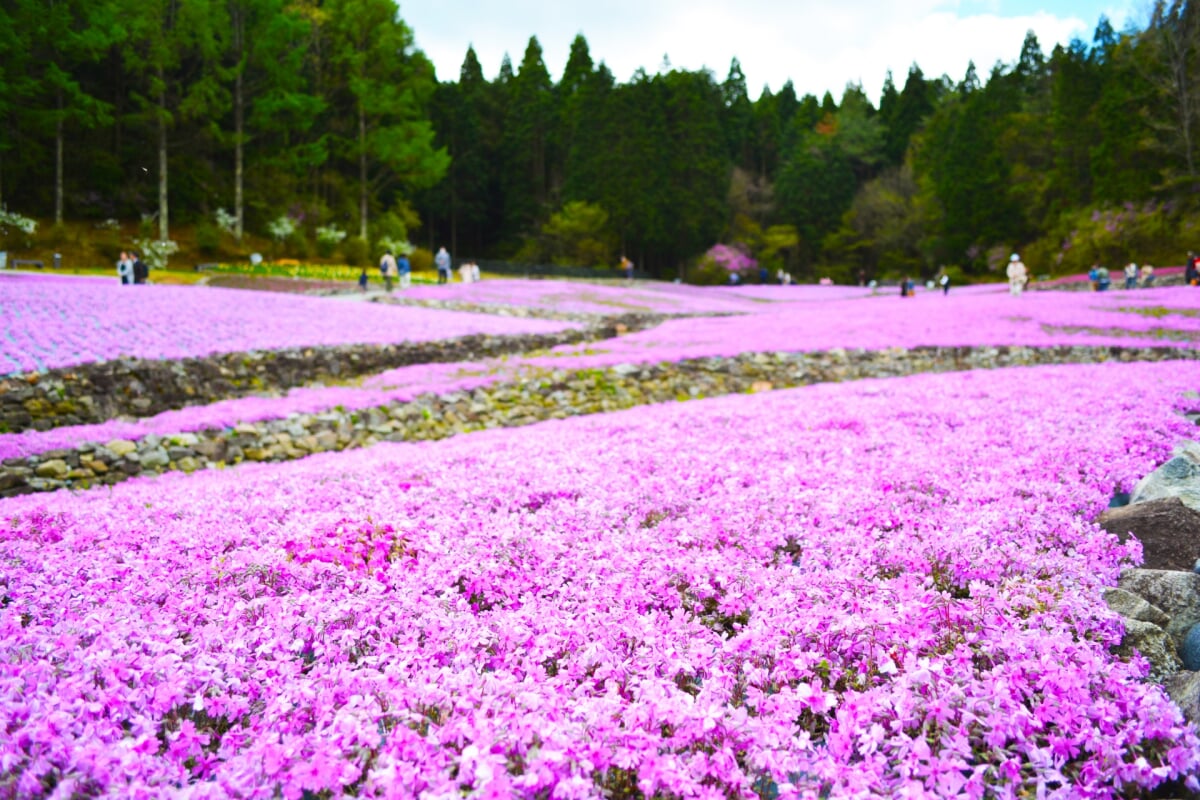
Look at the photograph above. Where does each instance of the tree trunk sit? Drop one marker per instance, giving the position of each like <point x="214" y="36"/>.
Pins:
<point x="238" y="155"/>
<point x="163" y="227"/>
<point x="239" y="44"/>
<point x="362" y="171"/>
<point x="58" y="163"/>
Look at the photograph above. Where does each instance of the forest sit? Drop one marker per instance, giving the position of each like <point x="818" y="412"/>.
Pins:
<point x="320" y="123"/>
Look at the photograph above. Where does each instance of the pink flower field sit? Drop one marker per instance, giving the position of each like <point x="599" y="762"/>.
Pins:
<point x="52" y="321"/>
<point x="928" y="320"/>
<point x="646" y="297"/>
<point x="883" y="588"/>
<point x="982" y="317"/>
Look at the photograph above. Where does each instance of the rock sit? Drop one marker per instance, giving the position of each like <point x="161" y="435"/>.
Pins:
<point x="178" y="453"/>
<point x="1153" y="643"/>
<point x="184" y="439"/>
<point x="188" y="464"/>
<point x="155" y="459"/>
<point x="1189" y="651"/>
<point x="98" y="467"/>
<point x="121" y="447"/>
<point x="1131" y="606"/>
<point x="1176" y="593"/>
<point x="55" y="469"/>
<point x="1168" y="530"/>
<point x="1179" y="477"/>
<point x="1184" y="689"/>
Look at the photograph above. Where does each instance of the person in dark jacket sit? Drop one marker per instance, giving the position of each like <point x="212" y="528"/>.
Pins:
<point x="141" y="272"/>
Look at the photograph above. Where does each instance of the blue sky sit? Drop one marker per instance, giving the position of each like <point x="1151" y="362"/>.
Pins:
<point x="818" y="44"/>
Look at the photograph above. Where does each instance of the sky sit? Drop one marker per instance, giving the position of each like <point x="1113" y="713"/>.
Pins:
<point x="820" y="45"/>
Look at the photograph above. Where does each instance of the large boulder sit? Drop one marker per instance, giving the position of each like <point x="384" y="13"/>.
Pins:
<point x="1179" y="477"/>
<point x="1184" y="689"/>
<point x="1167" y="528"/>
<point x="1176" y="593"/>
<point x="1153" y="643"/>
<point x="1132" y="606"/>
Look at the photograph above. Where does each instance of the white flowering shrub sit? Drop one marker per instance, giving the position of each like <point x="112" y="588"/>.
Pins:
<point x="282" y="228"/>
<point x="156" y="252"/>
<point x="11" y="219"/>
<point x="226" y="221"/>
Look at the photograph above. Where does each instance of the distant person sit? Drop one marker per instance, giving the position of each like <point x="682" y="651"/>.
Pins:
<point x="362" y="281"/>
<point x="141" y="271"/>
<point x="475" y="275"/>
<point x="442" y="262"/>
<point x="626" y="266"/>
<point x="1017" y="275"/>
<point x="944" y="282"/>
<point x="904" y="284"/>
<point x="734" y="279"/>
<point x="1094" y="277"/>
<point x="387" y="266"/>
<point x="405" y="268"/>
<point x="1191" y="272"/>
<point x="465" y="272"/>
<point x="862" y="277"/>
<point x="763" y="275"/>
<point x="1147" y="276"/>
<point x="125" y="269"/>
<point x="1102" y="280"/>
<point x="1131" y="275"/>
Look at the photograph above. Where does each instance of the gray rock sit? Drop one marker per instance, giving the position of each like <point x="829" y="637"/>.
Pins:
<point x="1176" y="593"/>
<point x="155" y="459"/>
<point x="1189" y="651"/>
<point x="1184" y="689"/>
<point x="1179" y="477"/>
<point x="1131" y="606"/>
<point x="177" y="453"/>
<point x="1153" y="643"/>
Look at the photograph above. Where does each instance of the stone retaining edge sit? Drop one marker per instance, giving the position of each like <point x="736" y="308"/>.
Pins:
<point x="551" y="394"/>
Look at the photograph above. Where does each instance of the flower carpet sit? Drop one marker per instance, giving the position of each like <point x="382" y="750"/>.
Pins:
<point x="877" y="588"/>
<point x="882" y="588"/>
<point x="52" y="321"/>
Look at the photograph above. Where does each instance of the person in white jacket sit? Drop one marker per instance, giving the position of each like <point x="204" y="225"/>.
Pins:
<point x="1017" y="275"/>
<point x="125" y="269"/>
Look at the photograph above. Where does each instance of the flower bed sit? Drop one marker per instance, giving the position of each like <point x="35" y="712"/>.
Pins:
<point x="642" y="297"/>
<point x="882" y="587"/>
<point x="53" y="321"/>
<point x="975" y="320"/>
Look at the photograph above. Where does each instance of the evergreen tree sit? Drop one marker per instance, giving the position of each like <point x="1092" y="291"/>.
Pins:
<point x="387" y="85"/>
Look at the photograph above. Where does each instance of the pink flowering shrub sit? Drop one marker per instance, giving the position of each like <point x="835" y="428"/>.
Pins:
<point x="880" y="588"/>
<point x="731" y="258"/>
<point x="53" y="322"/>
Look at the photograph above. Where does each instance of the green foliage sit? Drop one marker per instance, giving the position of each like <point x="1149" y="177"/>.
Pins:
<point x="356" y="251"/>
<point x="576" y="235"/>
<point x="208" y="238"/>
<point x="333" y="114"/>
<point x="421" y="260"/>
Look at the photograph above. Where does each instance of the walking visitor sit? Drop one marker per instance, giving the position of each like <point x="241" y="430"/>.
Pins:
<point x="1147" y="276"/>
<point x="387" y="265"/>
<point x="1191" y="272"/>
<point x="125" y="269"/>
<point x="442" y="261"/>
<point x="405" y="268"/>
<point x="1131" y="275"/>
<point x="1017" y="275"/>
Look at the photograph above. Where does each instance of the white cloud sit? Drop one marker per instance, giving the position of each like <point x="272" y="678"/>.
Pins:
<point x="818" y="45"/>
